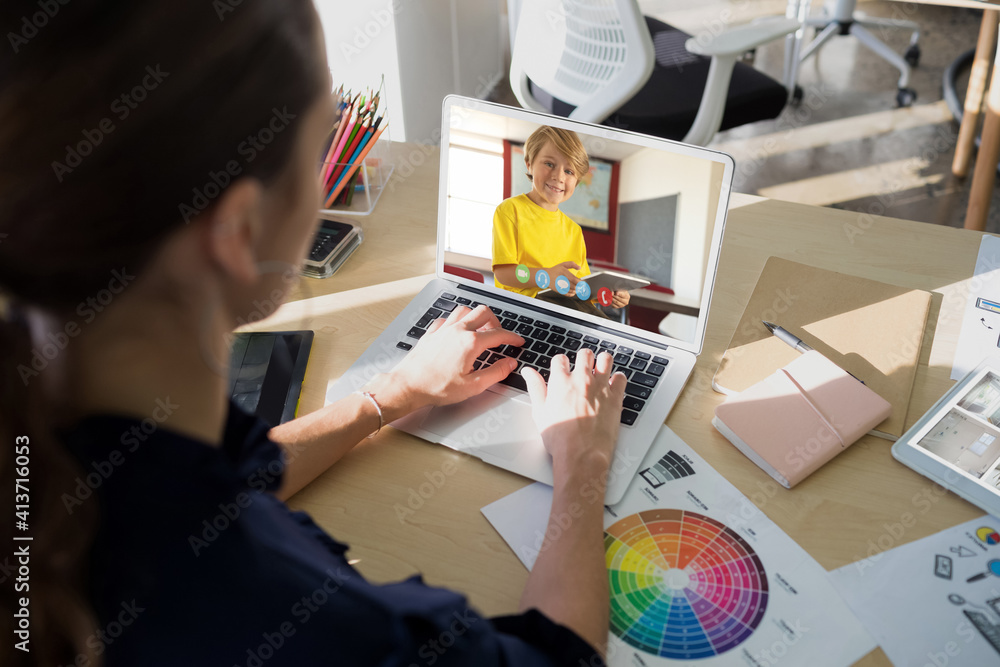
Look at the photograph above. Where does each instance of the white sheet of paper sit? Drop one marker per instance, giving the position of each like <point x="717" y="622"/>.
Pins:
<point x="980" y="327"/>
<point x="521" y="519"/>
<point x="916" y="599"/>
<point x="690" y="554"/>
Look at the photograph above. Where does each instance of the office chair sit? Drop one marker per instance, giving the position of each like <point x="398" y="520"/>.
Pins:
<point x="601" y="61"/>
<point x="840" y="18"/>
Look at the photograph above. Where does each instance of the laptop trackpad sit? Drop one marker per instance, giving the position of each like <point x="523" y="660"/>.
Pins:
<point x="488" y="424"/>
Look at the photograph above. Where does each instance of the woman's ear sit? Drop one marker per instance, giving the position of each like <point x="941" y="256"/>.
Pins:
<point x="233" y="228"/>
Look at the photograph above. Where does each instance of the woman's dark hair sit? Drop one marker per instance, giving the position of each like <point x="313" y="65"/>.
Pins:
<point x="119" y="121"/>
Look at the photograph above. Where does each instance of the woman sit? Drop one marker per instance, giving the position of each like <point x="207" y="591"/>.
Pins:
<point x="156" y="158"/>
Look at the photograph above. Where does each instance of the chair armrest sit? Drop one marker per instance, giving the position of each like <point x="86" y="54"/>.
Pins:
<point x="724" y="49"/>
<point x="740" y="39"/>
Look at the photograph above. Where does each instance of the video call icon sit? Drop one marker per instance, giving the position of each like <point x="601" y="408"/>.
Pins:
<point x="523" y="273"/>
<point x="542" y="278"/>
<point x="562" y="285"/>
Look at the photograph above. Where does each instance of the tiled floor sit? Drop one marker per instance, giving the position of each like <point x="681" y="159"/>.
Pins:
<point x="847" y="145"/>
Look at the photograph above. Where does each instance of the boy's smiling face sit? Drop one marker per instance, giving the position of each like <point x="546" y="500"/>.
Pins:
<point x="552" y="178"/>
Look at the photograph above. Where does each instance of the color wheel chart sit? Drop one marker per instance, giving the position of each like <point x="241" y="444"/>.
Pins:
<point x="683" y="585"/>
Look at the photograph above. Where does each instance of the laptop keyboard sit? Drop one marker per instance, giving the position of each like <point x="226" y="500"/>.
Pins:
<point x="542" y="341"/>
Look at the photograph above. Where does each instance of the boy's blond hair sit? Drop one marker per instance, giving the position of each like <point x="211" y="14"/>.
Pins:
<point x="565" y="141"/>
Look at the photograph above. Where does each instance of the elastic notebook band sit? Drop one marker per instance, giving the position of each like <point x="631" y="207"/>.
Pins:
<point x="812" y="405"/>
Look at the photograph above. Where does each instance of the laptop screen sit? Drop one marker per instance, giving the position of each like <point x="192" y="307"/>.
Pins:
<point x="618" y="228"/>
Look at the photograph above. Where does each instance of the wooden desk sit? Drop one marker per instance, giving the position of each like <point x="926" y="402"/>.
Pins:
<point x="407" y="506"/>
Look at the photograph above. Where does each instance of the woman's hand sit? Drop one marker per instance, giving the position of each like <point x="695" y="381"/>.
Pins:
<point x="620" y="299"/>
<point x="578" y="412"/>
<point x="438" y="370"/>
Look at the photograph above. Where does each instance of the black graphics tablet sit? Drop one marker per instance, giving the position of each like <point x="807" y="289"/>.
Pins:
<point x="266" y="372"/>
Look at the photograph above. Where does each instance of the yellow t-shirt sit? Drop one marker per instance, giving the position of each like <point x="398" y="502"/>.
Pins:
<point x="525" y="233"/>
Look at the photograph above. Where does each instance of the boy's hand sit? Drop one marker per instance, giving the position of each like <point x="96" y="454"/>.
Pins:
<point x="563" y="269"/>
<point x="620" y="299"/>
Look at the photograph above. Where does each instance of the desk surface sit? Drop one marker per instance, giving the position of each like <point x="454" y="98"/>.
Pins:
<point x="407" y="506"/>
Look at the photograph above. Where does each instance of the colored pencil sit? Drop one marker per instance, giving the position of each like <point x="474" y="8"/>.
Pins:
<point x="350" y="150"/>
<point x="337" y="153"/>
<point x="359" y="146"/>
<point x="350" y="139"/>
<point x="354" y="167"/>
<point x="361" y="123"/>
<point x="341" y="124"/>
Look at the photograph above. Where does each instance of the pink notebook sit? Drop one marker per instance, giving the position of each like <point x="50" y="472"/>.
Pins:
<point x="800" y="417"/>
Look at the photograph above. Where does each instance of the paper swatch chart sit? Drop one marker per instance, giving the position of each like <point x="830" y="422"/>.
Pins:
<point x="697" y="573"/>
<point x="671" y="466"/>
<point x="683" y="585"/>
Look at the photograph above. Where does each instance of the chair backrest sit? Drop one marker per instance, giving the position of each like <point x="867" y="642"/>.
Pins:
<point x="592" y="54"/>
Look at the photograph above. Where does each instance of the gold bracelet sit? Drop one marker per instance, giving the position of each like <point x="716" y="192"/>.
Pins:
<point x="378" y="408"/>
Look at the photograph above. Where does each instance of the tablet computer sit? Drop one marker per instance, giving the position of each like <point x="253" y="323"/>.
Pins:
<point x="266" y="372"/>
<point x="614" y="281"/>
<point x="957" y="442"/>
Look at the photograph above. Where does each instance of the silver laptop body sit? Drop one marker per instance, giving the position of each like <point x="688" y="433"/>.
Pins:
<point x="653" y="208"/>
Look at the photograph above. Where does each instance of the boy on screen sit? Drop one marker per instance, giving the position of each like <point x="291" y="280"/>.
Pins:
<point x="530" y="230"/>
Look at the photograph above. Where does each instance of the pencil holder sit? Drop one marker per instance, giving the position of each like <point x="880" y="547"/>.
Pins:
<point x="354" y="188"/>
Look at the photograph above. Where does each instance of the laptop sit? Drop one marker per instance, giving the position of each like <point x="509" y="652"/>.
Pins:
<point x="649" y="208"/>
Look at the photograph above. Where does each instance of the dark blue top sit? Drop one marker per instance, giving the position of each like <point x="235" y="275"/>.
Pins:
<point x="197" y="563"/>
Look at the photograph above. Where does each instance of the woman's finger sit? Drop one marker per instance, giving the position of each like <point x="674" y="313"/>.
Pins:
<point x="559" y="362"/>
<point x="584" y="361"/>
<point x="618" y="382"/>
<point x="494" y="337"/>
<point x="489" y="376"/>
<point x="604" y="364"/>
<point x="537" y="390"/>
<point x="480" y="318"/>
<point x="457" y="314"/>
